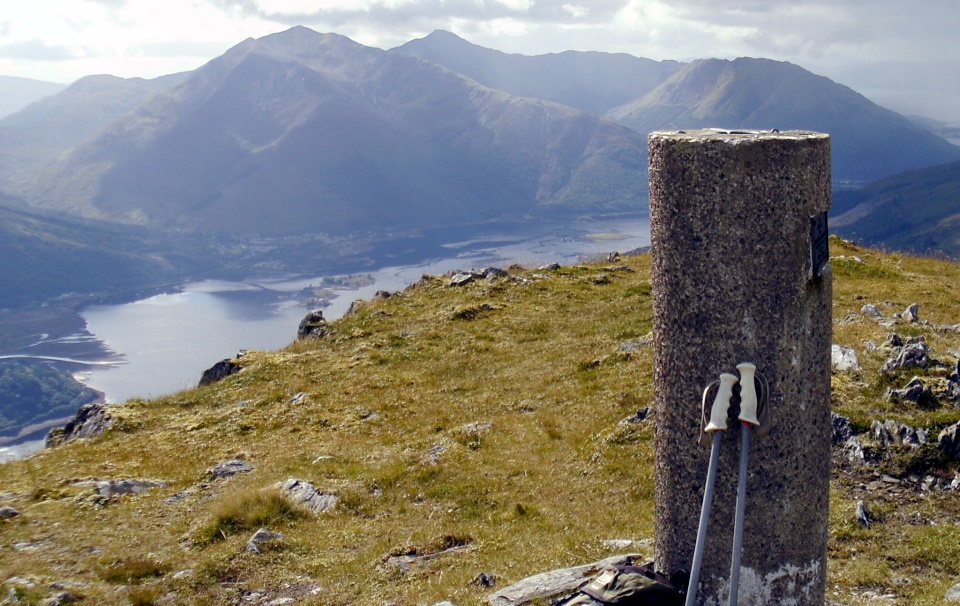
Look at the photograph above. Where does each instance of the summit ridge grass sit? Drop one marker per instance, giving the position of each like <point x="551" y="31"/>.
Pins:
<point x="478" y="424"/>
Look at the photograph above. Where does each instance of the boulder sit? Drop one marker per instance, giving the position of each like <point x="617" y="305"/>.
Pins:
<point x="892" y="432"/>
<point x="312" y="326"/>
<point x="871" y="311"/>
<point x="911" y="313"/>
<point x="90" y="421"/>
<point x="949" y="440"/>
<point x="305" y="495"/>
<point x="219" y="371"/>
<point x="841" y="428"/>
<point x="844" y="358"/>
<point x="911" y="355"/>
<point x="913" y="391"/>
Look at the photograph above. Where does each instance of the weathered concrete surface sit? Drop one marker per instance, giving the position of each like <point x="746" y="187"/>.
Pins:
<point x="732" y="282"/>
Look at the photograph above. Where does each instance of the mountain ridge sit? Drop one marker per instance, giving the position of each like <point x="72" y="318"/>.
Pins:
<point x="398" y="142"/>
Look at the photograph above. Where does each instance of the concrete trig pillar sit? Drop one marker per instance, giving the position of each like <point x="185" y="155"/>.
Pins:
<point x="734" y="280"/>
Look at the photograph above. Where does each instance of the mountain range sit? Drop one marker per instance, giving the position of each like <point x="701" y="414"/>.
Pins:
<point x="306" y="132"/>
<point x="301" y="132"/>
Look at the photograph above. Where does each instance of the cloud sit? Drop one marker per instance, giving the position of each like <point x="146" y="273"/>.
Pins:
<point x="394" y="13"/>
<point x="36" y="50"/>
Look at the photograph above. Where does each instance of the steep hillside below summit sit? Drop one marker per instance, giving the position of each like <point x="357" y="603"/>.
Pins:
<point x="490" y="428"/>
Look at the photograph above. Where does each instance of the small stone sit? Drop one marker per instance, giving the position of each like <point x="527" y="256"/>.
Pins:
<point x="281" y="601"/>
<point x="871" y="311"/>
<point x="461" y="279"/>
<point x="863" y="518"/>
<point x="492" y="273"/>
<point x="230" y="468"/>
<point x="261" y="537"/>
<point x="7" y="512"/>
<point x="911" y="314"/>
<point x="484" y="579"/>
<point x="298" y="398"/>
<point x="183" y="574"/>
<point x="433" y="454"/>
<point x="640" y="417"/>
<point x="854" y="451"/>
<point x="953" y="594"/>
<point x="549" y="267"/>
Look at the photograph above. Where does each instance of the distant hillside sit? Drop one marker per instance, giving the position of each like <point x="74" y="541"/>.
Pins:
<point x="32" y="393"/>
<point x="917" y="211"/>
<point x="868" y="142"/>
<point x="305" y="132"/>
<point x="56" y="123"/>
<point x="17" y="93"/>
<point x="591" y="81"/>
<point x="44" y="255"/>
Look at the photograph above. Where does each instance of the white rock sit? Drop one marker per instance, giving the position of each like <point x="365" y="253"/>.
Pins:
<point x="844" y="358"/>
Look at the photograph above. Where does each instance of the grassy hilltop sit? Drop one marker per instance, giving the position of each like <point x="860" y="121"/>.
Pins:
<point x="482" y="420"/>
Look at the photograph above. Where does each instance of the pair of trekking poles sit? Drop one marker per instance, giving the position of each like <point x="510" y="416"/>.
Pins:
<point x="754" y="393"/>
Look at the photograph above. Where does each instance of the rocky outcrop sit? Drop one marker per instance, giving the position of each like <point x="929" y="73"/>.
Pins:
<point x="219" y="371"/>
<point x="313" y="326"/>
<point x="914" y="354"/>
<point x="90" y="421"/>
<point x="892" y="432"/>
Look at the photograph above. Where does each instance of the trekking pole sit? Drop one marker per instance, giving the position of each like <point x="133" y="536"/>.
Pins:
<point x="748" y="420"/>
<point x="716" y="426"/>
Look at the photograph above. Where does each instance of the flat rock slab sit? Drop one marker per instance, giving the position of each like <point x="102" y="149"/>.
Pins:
<point x="307" y="496"/>
<point x="554" y="582"/>
<point x="116" y="488"/>
<point x="230" y="468"/>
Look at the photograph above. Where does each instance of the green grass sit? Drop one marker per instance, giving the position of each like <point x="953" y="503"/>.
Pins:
<point x="485" y="415"/>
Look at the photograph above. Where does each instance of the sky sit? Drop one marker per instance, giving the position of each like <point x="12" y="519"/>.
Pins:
<point x="902" y="54"/>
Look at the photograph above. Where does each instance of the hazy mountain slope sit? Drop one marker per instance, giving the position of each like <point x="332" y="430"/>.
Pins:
<point x="301" y="131"/>
<point x="56" y="123"/>
<point x="918" y="211"/>
<point x="17" y="93"/>
<point x="592" y="81"/>
<point x="868" y="142"/>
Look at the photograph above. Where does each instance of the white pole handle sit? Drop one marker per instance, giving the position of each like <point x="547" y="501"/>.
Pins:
<point x="721" y="404"/>
<point x="748" y="394"/>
